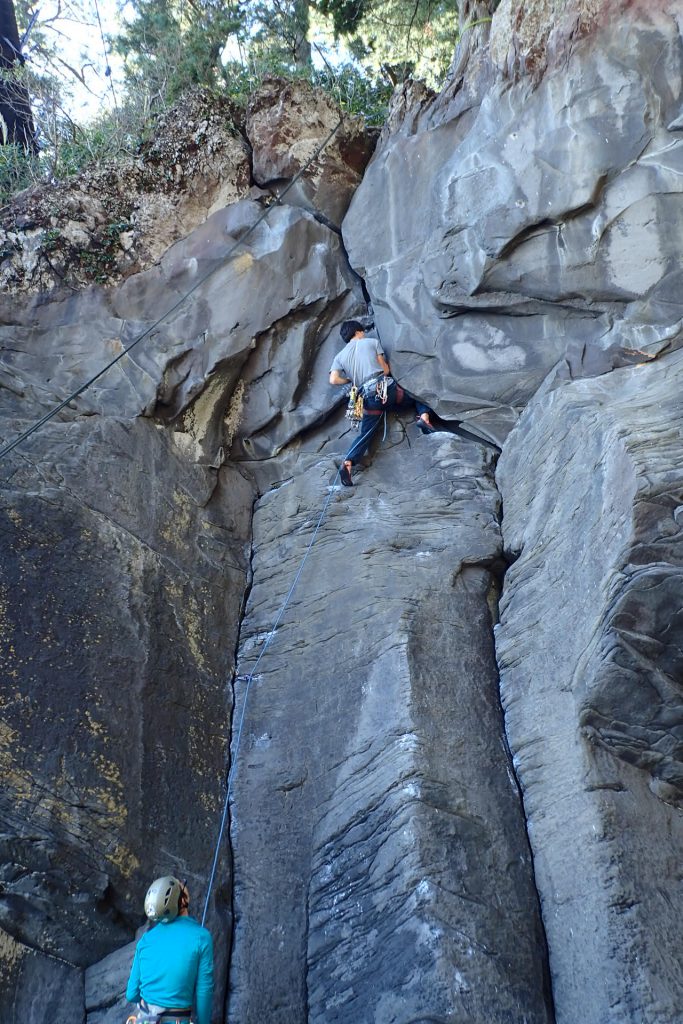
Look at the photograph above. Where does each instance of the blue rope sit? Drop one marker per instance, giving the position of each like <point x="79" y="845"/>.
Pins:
<point x="250" y="677"/>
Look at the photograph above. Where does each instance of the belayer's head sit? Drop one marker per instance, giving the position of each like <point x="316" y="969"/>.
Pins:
<point x="349" y="329"/>
<point x="166" y="898"/>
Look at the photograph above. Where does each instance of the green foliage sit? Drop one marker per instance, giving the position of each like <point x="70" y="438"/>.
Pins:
<point x="18" y="170"/>
<point x="346" y="14"/>
<point x="68" y="149"/>
<point x="399" y="39"/>
<point x="277" y="31"/>
<point x="171" y="46"/>
<point x="356" y="92"/>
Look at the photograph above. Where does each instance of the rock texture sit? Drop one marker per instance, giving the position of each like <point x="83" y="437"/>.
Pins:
<point x="126" y="545"/>
<point x="105" y="985"/>
<point x="393" y="863"/>
<point x="516" y="247"/>
<point x="286" y="124"/>
<point x="120" y="569"/>
<point x="589" y="650"/>
<point x="381" y="866"/>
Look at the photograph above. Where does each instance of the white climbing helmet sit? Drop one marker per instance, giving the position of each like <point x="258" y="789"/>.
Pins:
<point x="163" y="898"/>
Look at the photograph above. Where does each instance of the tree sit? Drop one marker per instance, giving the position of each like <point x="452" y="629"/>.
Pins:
<point x="172" y="45"/>
<point x="474" y="20"/>
<point x="397" y="38"/>
<point x="16" y="126"/>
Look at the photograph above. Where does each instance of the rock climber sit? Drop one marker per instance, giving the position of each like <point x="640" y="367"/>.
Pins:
<point x="363" y="363"/>
<point x="173" y="966"/>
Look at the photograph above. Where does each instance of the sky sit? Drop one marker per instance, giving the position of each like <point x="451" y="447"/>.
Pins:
<point x="80" y="29"/>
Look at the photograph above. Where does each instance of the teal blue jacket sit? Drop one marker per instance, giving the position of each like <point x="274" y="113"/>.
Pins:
<point x="173" y="967"/>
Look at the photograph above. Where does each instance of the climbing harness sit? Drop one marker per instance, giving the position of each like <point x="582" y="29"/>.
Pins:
<point x="150" y="1014"/>
<point x="376" y="387"/>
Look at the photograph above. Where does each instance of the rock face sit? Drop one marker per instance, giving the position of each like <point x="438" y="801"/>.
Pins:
<point x="381" y="865"/>
<point x="519" y="250"/>
<point x="120" y="568"/>
<point x="592" y="685"/>
<point x="413" y="839"/>
<point x="286" y="123"/>
<point x="126" y="551"/>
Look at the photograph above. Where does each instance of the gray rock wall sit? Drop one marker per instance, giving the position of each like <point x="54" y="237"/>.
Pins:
<point x="382" y="871"/>
<point x="126" y="546"/>
<point x="532" y="239"/>
<point x="590" y="677"/>
<point x="540" y="225"/>
<point x="519" y="236"/>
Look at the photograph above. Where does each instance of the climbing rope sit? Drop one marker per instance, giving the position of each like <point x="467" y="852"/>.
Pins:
<point x="176" y="305"/>
<point x="250" y="677"/>
<point x="107" y="66"/>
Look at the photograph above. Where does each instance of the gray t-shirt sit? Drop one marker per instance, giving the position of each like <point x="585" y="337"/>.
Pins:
<point x="358" y="360"/>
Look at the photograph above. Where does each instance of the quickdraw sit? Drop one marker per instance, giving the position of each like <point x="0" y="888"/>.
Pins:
<point x="382" y="389"/>
<point x="354" y="408"/>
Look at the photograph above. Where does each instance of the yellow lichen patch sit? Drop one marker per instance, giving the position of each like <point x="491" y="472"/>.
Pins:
<point x="209" y="802"/>
<point x="18" y="784"/>
<point x="109" y="770"/>
<point x="11" y="951"/>
<point x="114" y="809"/>
<point x="7" y="735"/>
<point x="4" y="608"/>
<point x="108" y="797"/>
<point x="190" y="619"/>
<point x="96" y="728"/>
<point x="124" y="859"/>
<point x="194" y="632"/>
<point x="181" y="519"/>
<point x="14" y="516"/>
<point x="16" y="700"/>
<point x="233" y="416"/>
<point x="242" y="264"/>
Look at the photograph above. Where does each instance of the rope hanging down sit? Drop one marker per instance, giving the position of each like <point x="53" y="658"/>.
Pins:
<point x="176" y="305"/>
<point x="250" y="677"/>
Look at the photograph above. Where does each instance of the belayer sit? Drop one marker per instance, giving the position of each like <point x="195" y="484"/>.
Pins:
<point x="363" y="364"/>
<point x="172" y="970"/>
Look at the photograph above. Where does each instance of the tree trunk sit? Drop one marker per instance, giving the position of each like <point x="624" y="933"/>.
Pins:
<point x="302" y="47"/>
<point x="15" y="110"/>
<point x="474" y="25"/>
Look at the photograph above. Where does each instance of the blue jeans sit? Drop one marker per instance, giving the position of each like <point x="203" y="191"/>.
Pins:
<point x="397" y="399"/>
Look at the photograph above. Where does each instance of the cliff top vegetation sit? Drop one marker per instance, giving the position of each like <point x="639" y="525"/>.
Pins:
<point x="155" y="50"/>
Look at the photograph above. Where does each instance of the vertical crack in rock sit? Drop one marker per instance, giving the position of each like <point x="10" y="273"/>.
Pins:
<point x="381" y="864"/>
<point x="499" y="568"/>
<point x="235" y="713"/>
